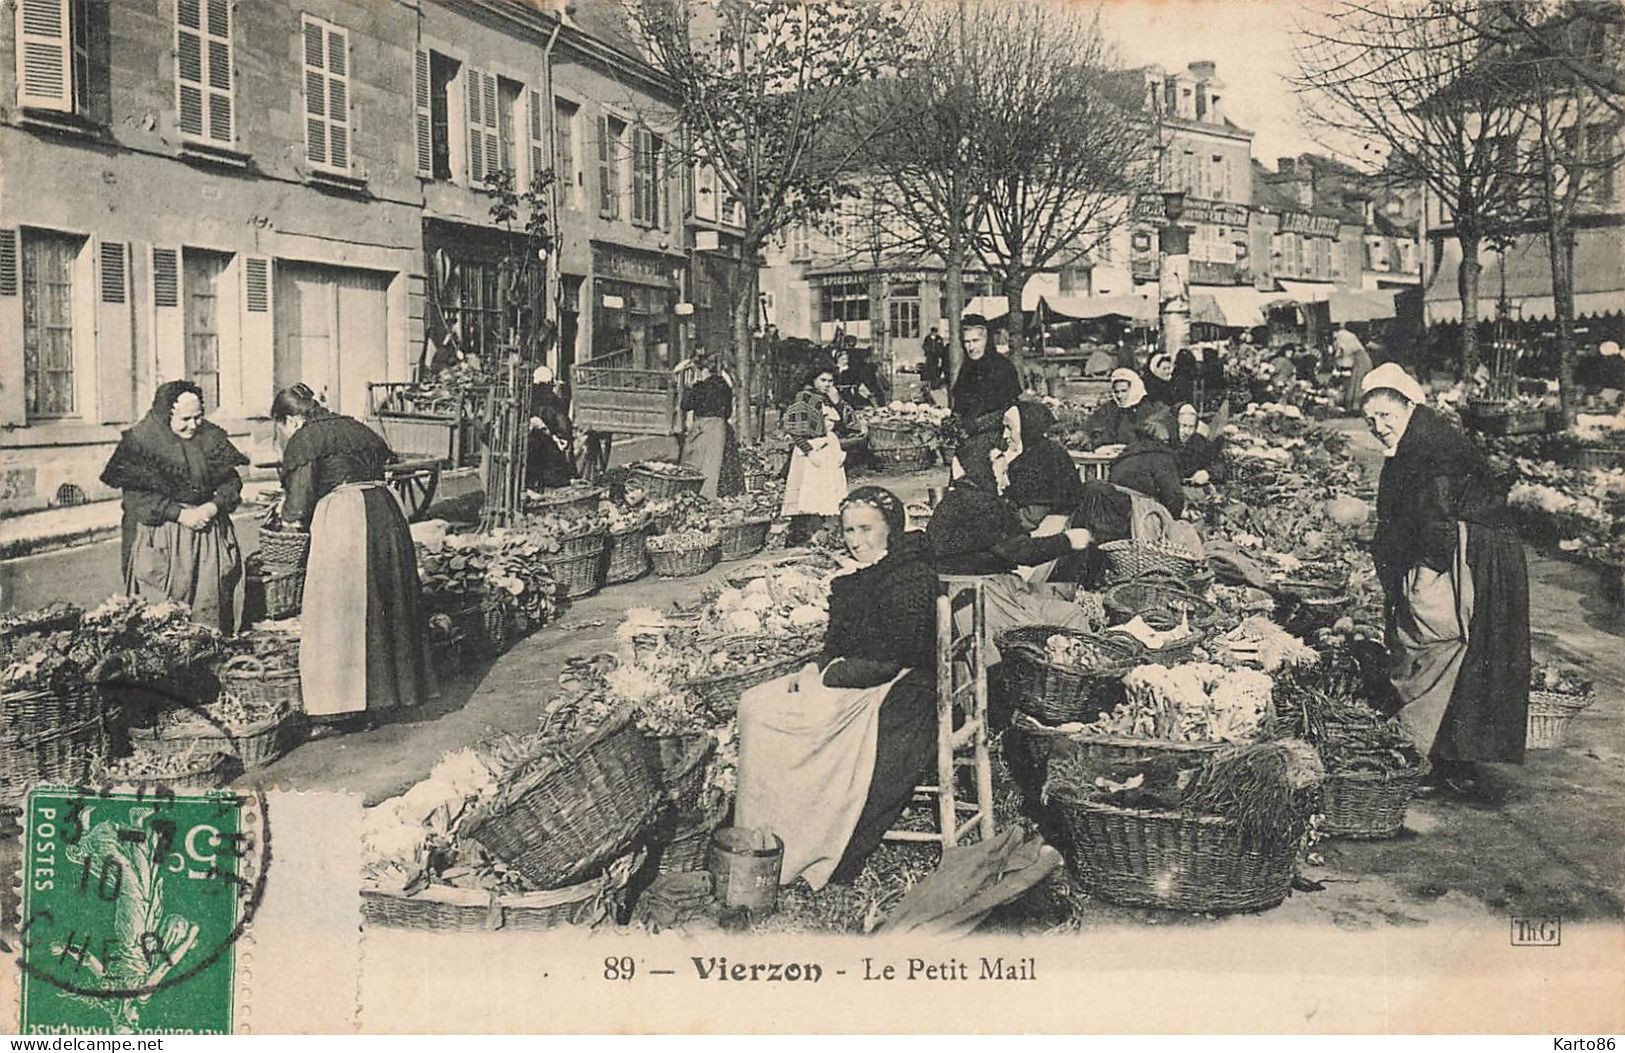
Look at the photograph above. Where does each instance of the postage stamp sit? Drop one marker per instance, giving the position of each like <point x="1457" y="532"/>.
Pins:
<point x="134" y="905"/>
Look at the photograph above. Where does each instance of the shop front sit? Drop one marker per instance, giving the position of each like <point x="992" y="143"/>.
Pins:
<point x="634" y="299"/>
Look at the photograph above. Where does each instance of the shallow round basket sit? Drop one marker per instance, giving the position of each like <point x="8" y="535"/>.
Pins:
<point x="1161" y="602"/>
<point x="284" y="548"/>
<point x="720" y="693"/>
<point x="1056" y="693"/>
<point x="246" y="677"/>
<point x="1550" y="715"/>
<point x="442" y="908"/>
<point x="1127" y="559"/>
<point x="1030" y="746"/>
<point x="1175" y="652"/>
<point x="1369" y="806"/>
<point x="674" y="558"/>
<point x="1170" y="860"/>
<point x="669" y="481"/>
<point x="904" y="458"/>
<point x="254" y="746"/>
<point x="628" y="556"/>
<point x="744" y="538"/>
<point x="575" y="499"/>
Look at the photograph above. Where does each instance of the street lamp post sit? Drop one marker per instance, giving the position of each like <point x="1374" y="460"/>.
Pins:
<point x="1173" y="278"/>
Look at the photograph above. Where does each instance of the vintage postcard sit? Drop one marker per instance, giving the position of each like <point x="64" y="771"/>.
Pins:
<point x="819" y="516"/>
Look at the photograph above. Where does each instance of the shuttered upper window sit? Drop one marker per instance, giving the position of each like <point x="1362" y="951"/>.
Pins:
<point x="327" y="94"/>
<point x="203" y="76"/>
<point x="484" y="145"/>
<point x="610" y="131"/>
<point x="61" y="56"/>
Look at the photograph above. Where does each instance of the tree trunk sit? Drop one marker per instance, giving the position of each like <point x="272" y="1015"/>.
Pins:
<point x="1560" y="246"/>
<point x="1467" y="288"/>
<point x="1016" y="322"/>
<point x="744" y="324"/>
<point x="955" y="281"/>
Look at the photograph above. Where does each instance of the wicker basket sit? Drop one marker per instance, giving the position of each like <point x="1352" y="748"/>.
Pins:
<point x="892" y="436"/>
<point x="579" y="575"/>
<point x="1172" y="653"/>
<point x="284" y="548"/>
<point x="25" y="712"/>
<point x="1036" y="744"/>
<point x="1126" y="559"/>
<point x="745" y="538"/>
<point x="442" y="908"/>
<point x="446" y="654"/>
<point x="592" y="541"/>
<point x="70" y="753"/>
<point x="682" y="844"/>
<point x="672" y="480"/>
<point x="1172" y="861"/>
<point x="1063" y="694"/>
<point x="720" y="693"/>
<point x="566" y="501"/>
<point x="1597" y="456"/>
<point x="486" y="628"/>
<point x="254" y="746"/>
<point x="905" y="458"/>
<point x="572" y="814"/>
<point x="628" y="556"/>
<point x="679" y="763"/>
<point x="246" y="677"/>
<point x="1549" y="717"/>
<point x="208" y="771"/>
<point x="673" y="560"/>
<point x="1369" y="805"/>
<point x="283" y="589"/>
<point x="1161" y="602"/>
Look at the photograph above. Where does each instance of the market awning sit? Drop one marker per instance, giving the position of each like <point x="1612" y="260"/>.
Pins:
<point x="1238" y="306"/>
<point x="1361" y="305"/>
<point x="1080" y="308"/>
<point x="995" y="307"/>
<point x="1599" y="279"/>
<point x="1300" y="292"/>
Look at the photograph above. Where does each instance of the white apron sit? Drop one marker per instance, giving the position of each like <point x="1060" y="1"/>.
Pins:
<point x="1430" y="642"/>
<point x="817" y="481"/>
<point x="333" y="616"/>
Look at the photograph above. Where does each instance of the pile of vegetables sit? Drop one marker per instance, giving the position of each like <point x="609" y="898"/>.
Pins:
<point x="752" y="505"/>
<point x="58" y="647"/>
<point x="508" y="566"/>
<point x="787" y="600"/>
<point x="1324" y="707"/>
<point x="1193" y="702"/>
<point x="227" y="711"/>
<point x="1559" y="679"/>
<point x="684" y="511"/>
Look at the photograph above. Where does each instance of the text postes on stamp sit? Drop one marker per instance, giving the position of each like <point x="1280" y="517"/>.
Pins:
<point x="133" y="905"/>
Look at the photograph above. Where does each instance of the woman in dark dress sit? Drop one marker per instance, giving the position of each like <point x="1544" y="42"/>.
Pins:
<point x="1159" y="381"/>
<point x="1148" y="465"/>
<point x="708" y="442"/>
<point x="366" y="639"/>
<point x="1457" y="588"/>
<point x="857" y="379"/>
<point x="1116" y="421"/>
<point x="180" y="482"/>
<point x="806" y="738"/>
<point x="1043" y="479"/>
<point x="984" y="394"/>
<point x="547" y="456"/>
<point x="1198" y="455"/>
<point x="1187" y="371"/>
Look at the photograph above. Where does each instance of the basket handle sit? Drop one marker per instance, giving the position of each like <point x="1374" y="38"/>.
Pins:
<point x="244" y="663"/>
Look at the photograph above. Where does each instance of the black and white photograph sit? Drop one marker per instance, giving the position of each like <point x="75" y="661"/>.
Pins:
<point x="831" y="516"/>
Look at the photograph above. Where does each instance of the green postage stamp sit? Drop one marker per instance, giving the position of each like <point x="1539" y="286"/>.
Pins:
<point x="134" y="907"/>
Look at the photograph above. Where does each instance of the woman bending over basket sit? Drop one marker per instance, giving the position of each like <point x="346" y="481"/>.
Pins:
<point x="829" y="756"/>
<point x="365" y="634"/>
<point x="1457" y="588"/>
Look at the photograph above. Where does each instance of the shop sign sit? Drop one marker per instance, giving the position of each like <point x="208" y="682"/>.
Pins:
<point x="637" y="267"/>
<point x="1217" y="213"/>
<point x="1304" y="223"/>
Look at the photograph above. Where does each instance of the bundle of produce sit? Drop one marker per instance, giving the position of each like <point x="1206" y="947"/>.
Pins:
<point x="506" y="569"/>
<point x="264" y="667"/>
<point x="442" y="393"/>
<point x="684" y="553"/>
<point x="786" y="600"/>
<point x="53" y="617"/>
<point x="150" y="642"/>
<point x="1373" y="766"/>
<point x="560" y="533"/>
<point x="663" y="479"/>
<point x="1211" y="833"/>
<point x="624" y="518"/>
<point x="1062" y="675"/>
<point x="716" y="671"/>
<point x="679" y="512"/>
<point x="1557" y="694"/>
<point x="1194" y="702"/>
<point x="53" y="721"/>
<point x="1259" y="641"/>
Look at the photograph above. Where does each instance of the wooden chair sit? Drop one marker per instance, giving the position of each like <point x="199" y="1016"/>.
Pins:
<point x="962" y="681"/>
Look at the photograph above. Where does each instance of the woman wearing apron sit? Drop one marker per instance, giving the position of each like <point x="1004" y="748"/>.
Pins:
<point x="364" y="632"/>
<point x="817" y="481"/>
<point x="1457" y="589"/>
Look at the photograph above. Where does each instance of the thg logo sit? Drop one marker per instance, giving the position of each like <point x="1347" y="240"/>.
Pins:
<point x="1537" y="932"/>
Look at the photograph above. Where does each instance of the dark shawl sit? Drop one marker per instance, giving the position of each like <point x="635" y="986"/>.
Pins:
<point x="1186" y="372"/>
<point x="1149" y="466"/>
<point x="546" y="463"/>
<point x="329" y="451"/>
<point x="1435" y="479"/>
<point x="711" y="397"/>
<point x="882" y="618"/>
<point x="1199" y="453"/>
<point x="1112" y="425"/>
<point x="975" y="531"/>
<point x="160" y="473"/>
<point x="985" y="388"/>
<point x="1160" y="391"/>
<point x="1043" y="480"/>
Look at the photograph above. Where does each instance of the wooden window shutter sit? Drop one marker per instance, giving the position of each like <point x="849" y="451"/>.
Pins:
<point x="315" y="92"/>
<point x="489" y="122"/>
<point x="8" y="262"/>
<point x="44" y="74"/>
<point x="166" y="279"/>
<point x="538" y="139"/>
<point x="424" y="126"/>
<point x="607" y="190"/>
<point x="327" y="95"/>
<point x="338" y="96"/>
<point x="113" y="278"/>
<point x="203" y="75"/>
<point x="640" y="175"/>
<point x="476" y="127"/>
<point x="257" y="284"/>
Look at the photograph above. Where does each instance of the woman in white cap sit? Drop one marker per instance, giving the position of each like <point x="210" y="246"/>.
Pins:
<point x="1116" y="422"/>
<point x="547" y="457"/>
<point x="1457" y="589"/>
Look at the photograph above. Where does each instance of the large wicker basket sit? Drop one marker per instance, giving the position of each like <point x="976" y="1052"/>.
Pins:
<point x="1032" y="745"/>
<point x="1162" y="602"/>
<point x="720" y="693"/>
<point x="904" y="458"/>
<point x="26" y="712"/>
<point x="744" y="538"/>
<point x="575" y="499"/>
<point x="1130" y="559"/>
<point x="669" y="481"/>
<point x="681" y="841"/>
<point x="573" y="813"/>
<point x="581" y="574"/>
<point x="1597" y="456"/>
<point x="1550" y="715"/>
<point x="70" y="753"/>
<point x="628" y="556"/>
<point x="254" y="746"/>
<point x="246" y="677"/>
<point x="1171" y="861"/>
<point x="1171" y="653"/>
<point x="284" y="548"/>
<point x="1057" y="693"/>
<point x="675" y="557"/>
<point x="485" y="627"/>
<point x="1369" y="806"/>
<point x="282" y="588"/>
<point x="893" y="435"/>
<point x="442" y="908"/>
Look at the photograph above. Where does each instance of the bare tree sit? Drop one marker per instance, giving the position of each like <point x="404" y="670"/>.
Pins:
<point x="1580" y="37"/>
<point x="762" y="83"/>
<point x="1396" y="73"/>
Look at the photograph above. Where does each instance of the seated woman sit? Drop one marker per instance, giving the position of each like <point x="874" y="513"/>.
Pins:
<point x="1144" y="498"/>
<point x="1198" y="455"/>
<point x="1159" y="380"/>
<point x="1116" y="421"/>
<point x="1043" y="479"/>
<point x="975" y="531"/>
<point x="855" y="731"/>
<point x="1148" y="465"/>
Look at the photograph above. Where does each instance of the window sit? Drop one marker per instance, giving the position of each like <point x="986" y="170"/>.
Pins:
<point x="800" y="246"/>
<point x="203" y="69"/>
<point x="484" y="146"/>
<point x="62" y="57"/>
<point x="471" y="307"/>
<point x="564" y="134"/>
<point x="705" y="193"/>
<point x="844" y="302"/>
<point x="610" y="132"/>
<point x="49" y="261"/>
<point x="203" y="271"/>
<point x="969" y="290"/>
<point x="435" y="75"/>
<point x="903" y="314"/>
<point x="647" y="191"/>
<point x="730" y="209"/>
<point x="508" y="95"/>
<point x="327" y="95"/>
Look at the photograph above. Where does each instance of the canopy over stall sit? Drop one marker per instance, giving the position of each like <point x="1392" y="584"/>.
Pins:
<point x="1599" y="279"/>
<point x="1087" y="308"/>
<point x="1361" y="305"/>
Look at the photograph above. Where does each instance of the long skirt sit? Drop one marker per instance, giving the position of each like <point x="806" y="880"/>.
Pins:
<point x="366" y="639"/>
<point x="1012" y="601"/>
<point x="704" y="448"/>
<point x="1464" y="673"/>
<point x="905" y="746"/>
<point x="202" y="568"/>
<point x="817" y="480"/>
<point x="731" y="479"/>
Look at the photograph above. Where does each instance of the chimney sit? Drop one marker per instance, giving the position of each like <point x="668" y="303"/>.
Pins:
<point x="1203" y="70"/>
<point x="1287" y="166"/>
